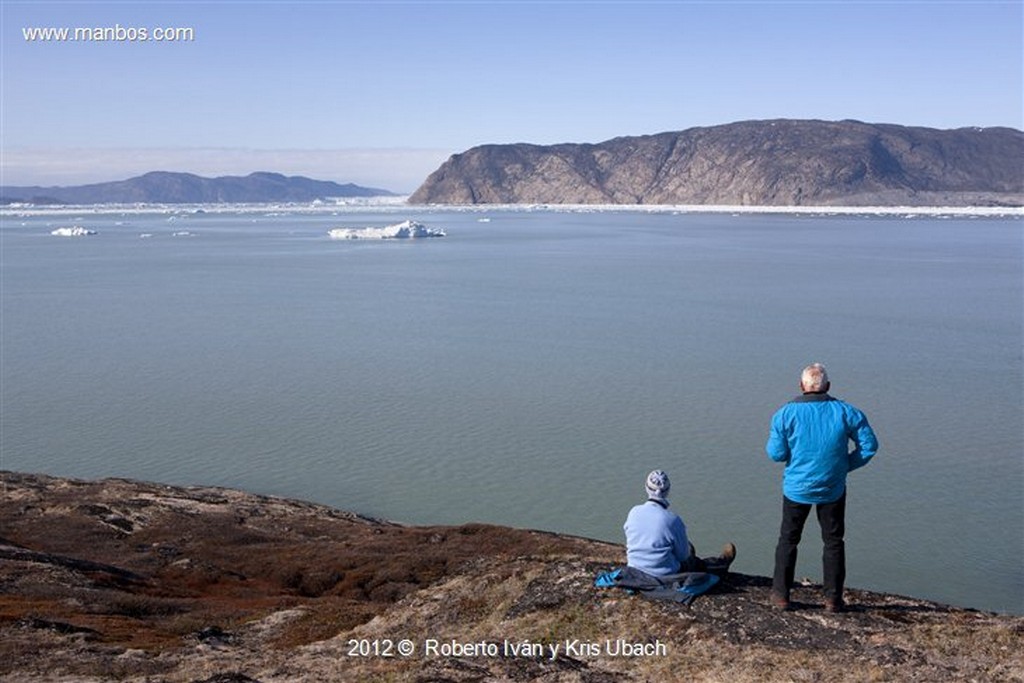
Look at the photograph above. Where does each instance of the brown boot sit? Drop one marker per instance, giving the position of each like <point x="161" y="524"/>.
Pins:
<point x="780" y="602"/>
<point x="720" y="565"/>
<point x="835" y="606"/>
<point x="728" y="553"/>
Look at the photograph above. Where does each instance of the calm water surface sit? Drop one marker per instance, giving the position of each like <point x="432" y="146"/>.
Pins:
<point x="529" y="370"/>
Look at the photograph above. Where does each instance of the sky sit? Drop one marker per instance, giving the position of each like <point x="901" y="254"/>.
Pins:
<point x="381" y="93"/>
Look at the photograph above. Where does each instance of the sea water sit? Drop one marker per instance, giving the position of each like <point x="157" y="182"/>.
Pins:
<point x="529" y="369"/>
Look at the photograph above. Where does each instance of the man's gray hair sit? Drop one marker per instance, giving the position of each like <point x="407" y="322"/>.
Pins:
<point x="814" y="378"/>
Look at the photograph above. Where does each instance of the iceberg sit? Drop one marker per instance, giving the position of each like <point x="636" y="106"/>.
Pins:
<point x="73" y="231"/>
<point x="398" y="231"/>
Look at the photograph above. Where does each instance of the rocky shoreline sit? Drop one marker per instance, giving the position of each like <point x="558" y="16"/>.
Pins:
<point x="131" y="581"/>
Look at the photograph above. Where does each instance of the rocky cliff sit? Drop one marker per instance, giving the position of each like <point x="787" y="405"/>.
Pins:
<point x="771" y="163"/>
<point x="128" y="581"/>
<point x="161" y="187"/>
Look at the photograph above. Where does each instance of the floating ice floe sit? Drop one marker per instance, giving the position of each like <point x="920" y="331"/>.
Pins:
<point x="398" y="231"/>
<point x="73" y="231"/>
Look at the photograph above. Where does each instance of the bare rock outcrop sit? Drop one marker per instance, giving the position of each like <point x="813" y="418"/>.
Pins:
<point x="769" y="163"/>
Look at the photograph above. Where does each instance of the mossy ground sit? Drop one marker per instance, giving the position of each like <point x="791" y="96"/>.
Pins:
<point x="119" y="580"/>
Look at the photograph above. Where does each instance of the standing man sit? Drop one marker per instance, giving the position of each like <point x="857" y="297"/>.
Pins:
<point x="811" y="434"/>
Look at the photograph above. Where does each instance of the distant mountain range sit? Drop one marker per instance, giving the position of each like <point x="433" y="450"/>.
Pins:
<point x="773" y="163"/>
<point x="160" y="187"/>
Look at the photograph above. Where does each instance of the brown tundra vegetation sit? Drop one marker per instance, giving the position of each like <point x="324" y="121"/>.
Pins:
<point x="117" y="580"/>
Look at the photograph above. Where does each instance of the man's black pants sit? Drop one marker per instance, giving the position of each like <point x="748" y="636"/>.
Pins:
<point x="832" y="520"/>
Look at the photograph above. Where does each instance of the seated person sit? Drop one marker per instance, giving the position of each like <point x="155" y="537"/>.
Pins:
<point x="656" y="541"/>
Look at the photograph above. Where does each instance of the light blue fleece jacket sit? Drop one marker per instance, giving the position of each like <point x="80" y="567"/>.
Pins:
<point x="656" y="541"/>
<point x="811" y="434"/>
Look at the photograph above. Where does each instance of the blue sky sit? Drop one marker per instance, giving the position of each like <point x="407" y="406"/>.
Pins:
<point x="381" y="93"/>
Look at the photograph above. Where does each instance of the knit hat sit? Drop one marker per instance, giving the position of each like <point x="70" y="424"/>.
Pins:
<point x="657" y="485"/>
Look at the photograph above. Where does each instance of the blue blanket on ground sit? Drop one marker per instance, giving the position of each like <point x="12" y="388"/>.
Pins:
<point x="684" y="587"/>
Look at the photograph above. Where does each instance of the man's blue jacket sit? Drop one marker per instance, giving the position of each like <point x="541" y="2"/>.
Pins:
<point x="811" y="434"/>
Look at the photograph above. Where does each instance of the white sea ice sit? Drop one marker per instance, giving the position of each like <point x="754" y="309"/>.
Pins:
<point x="73" y="231"/>
<point x="403" y="230"/>
<point x="397" y="206"/>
